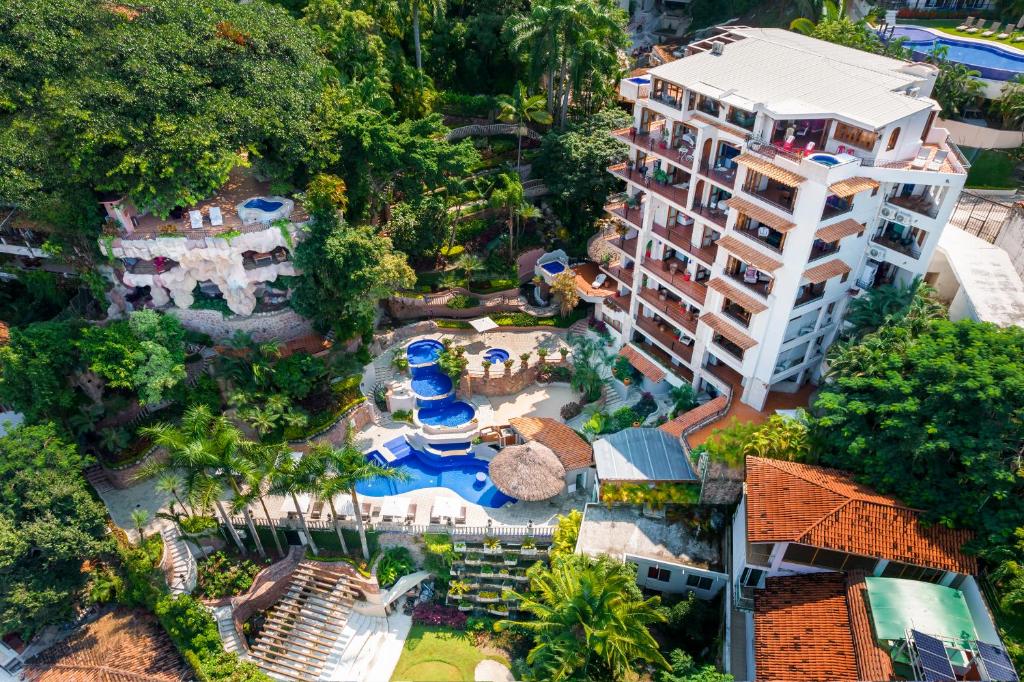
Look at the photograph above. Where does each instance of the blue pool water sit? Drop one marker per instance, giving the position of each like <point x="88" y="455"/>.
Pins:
<point x="430" y="382"/>
<point x="825" y="159"/>
<point x="554" y="267"/>
<point x="264" y="205"/>
<point x="451" y="447"/>
<point x="991" y="60"/>
<point x="423" y="351"/>
<point x="457" y="473"/>
<point x="639" y="80"/>
<point x="454" y="413"/>
<point x="496" y="355"/>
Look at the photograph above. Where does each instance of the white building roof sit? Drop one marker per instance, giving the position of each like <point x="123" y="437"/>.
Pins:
<point x="623" y="532"/>
<point x="987" y="277"/>
<point x="793" y="75"/>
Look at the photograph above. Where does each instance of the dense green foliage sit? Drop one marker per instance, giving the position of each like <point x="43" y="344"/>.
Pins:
<point x="396" y="563"/>
<point x="49" y="524"/>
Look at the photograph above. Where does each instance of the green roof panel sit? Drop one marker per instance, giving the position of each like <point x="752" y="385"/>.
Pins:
<point x="898" y="605"/>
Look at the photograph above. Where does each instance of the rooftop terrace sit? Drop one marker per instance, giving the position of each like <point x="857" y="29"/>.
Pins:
<point x="622" y="531"/>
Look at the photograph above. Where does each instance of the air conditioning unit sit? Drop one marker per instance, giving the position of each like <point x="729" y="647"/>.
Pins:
<point x="902" y="217"/>
<point x="887" y="212"/>
<point x="717" y="47"/>
<point x="876" y="253"/>
<point x="914" y="92"/>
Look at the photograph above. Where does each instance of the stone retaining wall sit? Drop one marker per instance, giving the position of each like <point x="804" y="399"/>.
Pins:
<point x="127" y="476"/>
<point x="279" y="325"/>
<point x="498" y="382"/>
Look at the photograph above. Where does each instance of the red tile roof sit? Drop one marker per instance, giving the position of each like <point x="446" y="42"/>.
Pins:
<point x="791" y="502"/>
<point x="688" y="420"/>
<point x="572" y="451"/>
<point x="872" y="661"/>
<point x="642" y="364"/>
<point x="802" y="630"/>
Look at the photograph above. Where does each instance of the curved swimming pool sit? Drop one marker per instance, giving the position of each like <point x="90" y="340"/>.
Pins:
<point x="458" y="475"/>
<point x="429" y="382"/>
<point x="991" y="60"/>
<point x="496" y="356"/>
<point x="424" y="351"/>
<point x="265" y="205"/>
<point x="450" y="414"/>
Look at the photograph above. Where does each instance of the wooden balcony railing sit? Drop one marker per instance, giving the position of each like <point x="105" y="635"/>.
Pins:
<point x="633" y="215"/>
<point x="697" y="292"/>
<point x="716" y="215"/>
<point x="671" y="309"/>
<point x="620" y="273"/>
<point x="627" y="246"/>
<point x="667" y="337"/>
<point x="620" y="301"/>
<point x="681" y="237"/>
<point x="664" y="360"/>
<point x="722" y="176"/>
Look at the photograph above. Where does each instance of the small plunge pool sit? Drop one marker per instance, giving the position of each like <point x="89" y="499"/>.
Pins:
<point x="496" y="356"/>
<point x="265" y="205"/>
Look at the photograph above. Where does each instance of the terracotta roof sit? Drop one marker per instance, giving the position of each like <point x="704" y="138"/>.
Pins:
<point x="850" y="186"/>
<point x="837" y="231"/>
<point x="5" y="333"/>
<point x="761" y="214"/>
<point x="826" y="271"/>
<point x="770" y="170"/>
<point x="733" y="293"/>
<point x="728" y="331"/>
<point x="820" y="507"/>
<point x="802" y="630"/>
<point x="124" y="645"/>
<point x="748" y="254"/>
<point x="642" y="364"/>
<point x="572" y="450"/>
<point x="872" y="661"/>
<point x="695" y="417"/>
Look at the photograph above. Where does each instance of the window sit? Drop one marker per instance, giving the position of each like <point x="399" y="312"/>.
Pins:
<point x="660" y="574"/>
<point x="760" y="553"/>
<point x="858" y="137"/>
<point x="894" y="137"/>
<point x="827" y="558"/>
<point x="751" y="577"/>
<point x="699" y="582"/>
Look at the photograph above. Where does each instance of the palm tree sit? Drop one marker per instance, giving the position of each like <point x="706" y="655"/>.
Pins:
<point x="139" y="519"/>
<point x="588" y="621"/>
<point x="329" y="482"/>
<point x="1011" y="103"/>
<point x="956" y="86"/>
<point x="265" y="462"/>
<point x="830" y="11"/>
<point x="885" y="305"/>
<point x="469" y="263"/>
<point x="519" y="108"/>
<point x="507" y="194"/>
<point x="417" y="9"/>
<point x="292" y="477"/>
<point x="169" y="482"/>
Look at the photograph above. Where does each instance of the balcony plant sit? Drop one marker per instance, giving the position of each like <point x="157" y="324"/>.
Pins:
<point x="529" y="547"/>
<point x="458" y="588"/>
<point x="508" y="365"/>
<point x="486" y="570"/>
<point x="466" y="605"/>
<point x="487" y="596"/>
<point x="460" y="546"/>
<point x="511" y="559"/>
<point x="492" y="545"/>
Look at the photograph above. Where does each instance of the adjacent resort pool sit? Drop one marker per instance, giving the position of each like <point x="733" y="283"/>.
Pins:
<point x="994" y="62"/>
<point x="435" y="394"/>
<point x="459" y="473"/>
<point x="264" y="205"/>
<point x="553" y="267"/>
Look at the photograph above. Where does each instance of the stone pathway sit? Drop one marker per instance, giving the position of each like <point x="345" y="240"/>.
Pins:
<point x="492" y="671"/>
<point x="228" y="634"/>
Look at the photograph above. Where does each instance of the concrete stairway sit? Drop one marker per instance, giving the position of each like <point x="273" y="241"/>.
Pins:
<point x="580" y="327"/>
<point x="97" y="477"/>
<point x="181" y="561"/>
<point x="229" y="636"/>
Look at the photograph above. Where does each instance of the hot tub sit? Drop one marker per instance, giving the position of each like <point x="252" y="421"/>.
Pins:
<point x="496" y="356"/>
<point x="825" y="159"/>
<point x="264" y="209"/>
<point x="424" y="351"/>
<point x="554" y="267"/>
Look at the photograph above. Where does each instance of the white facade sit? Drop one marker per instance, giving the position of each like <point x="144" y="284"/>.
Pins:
<point x="750" y="141"/>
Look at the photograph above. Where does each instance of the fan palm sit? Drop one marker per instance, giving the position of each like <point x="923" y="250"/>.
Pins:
<point x="507" y="194"/>
<point x="587" y="621"/>
<point x="518" y="108"/>
<point x="265" y="461"/>
<point x="170" y="483"/>
<point x="469" y="263"/>
<point x="830" y="11"/>
<point x="292" y="477"/>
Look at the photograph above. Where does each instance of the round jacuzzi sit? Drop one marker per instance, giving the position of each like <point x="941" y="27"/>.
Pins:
<point x="496" y="356"/>
<point x="424" y="351"/>
<point x="825" y="159"/>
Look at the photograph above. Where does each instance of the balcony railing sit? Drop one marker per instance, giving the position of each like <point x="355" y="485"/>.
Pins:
<point x="649" y="138"/>
<point x="772" y="241"/>
<point x="822" y="249"/>
<point x="678" y="280"/>
<point x="627" y="246"/>
<point x="742" y="119"/>
<point x="674" y="310"/>
<point x="737" y="314"/>
<point x="630" y="214"/>
<point x="727" y="375"/>
<point x="716" y="215"/>
<point x="723" y="176"/>
<point x="668" y="191"/>
<point x="920" y="204"/>
<point x="668" y="100"/>
<point x="780" y="197"/>
<point x="664" y="360"/>
<point x="809" y="294"/>
<point x="759" y="287"/>
<point x="770" y="151"/>
<point x="835" y="207"/>
<point x="620" y="301"/>
<point x="620" y="273"/>
<point x="681" y="236"/>
<point x="907" y="248"/>
<point x="663" y="334"/>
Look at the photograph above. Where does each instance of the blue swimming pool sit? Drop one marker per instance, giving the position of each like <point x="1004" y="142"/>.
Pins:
<point x="450" y="413"/>
<point x="266" y="205"/>
<point x="825" y="159"/>
<point x="496" y="356"/>
<point x="430" y="382"/>
<point x="639" y="80"/>
<point x="993" y="61"/>
<point x="457" y="473"/>
<point x="423" y="351"/>
<point x="554" y="267"/>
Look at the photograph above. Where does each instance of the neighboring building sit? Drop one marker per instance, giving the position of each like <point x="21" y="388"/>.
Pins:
<point x="668" y="556"/>
<point x="994" y="220"/>
<point x="976" y="280"/>
<point x="642" y="455"/>
<point x="975" y="6"/>
<point x="575" y="454"/>
<point x="232" y="246"/>
<point x="771" y="178"/>
<point x="807" y="542"/>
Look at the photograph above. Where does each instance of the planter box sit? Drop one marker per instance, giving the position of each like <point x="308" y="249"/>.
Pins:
<point x="474" y="562"/>
<point x="496" y="612"/>
<point x="528" y="551"/>
<point x="460" y="546"/>
<point x="511" y="562"/>
<point x="488" y="600"/>
<point x="493" y="550"/>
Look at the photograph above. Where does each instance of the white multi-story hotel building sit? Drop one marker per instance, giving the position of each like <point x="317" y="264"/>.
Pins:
<point x="771" y="178"/>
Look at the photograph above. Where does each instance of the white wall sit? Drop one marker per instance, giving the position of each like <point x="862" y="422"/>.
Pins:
<point x="676" y="583"/>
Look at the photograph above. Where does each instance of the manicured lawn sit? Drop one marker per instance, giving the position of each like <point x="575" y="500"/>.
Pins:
<point x="990" y="169"/>
<point x="437" y="654"/>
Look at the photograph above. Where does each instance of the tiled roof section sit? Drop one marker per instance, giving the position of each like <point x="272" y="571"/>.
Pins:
<point x="872" y="661"/>
<point x="837" y="231"/>
<point x="770" y="170"/>
<point x="571" y="449"/>
<point x="128" y="646"/>
<point x="748" y="254"/>
<point x="802" y="630"/>
<point x="826" y="271"/>
<point x="850" y="186"/>
<point x="642" y="364"/>
<point x="763" y="215"/>
<point x="728" y="331"/>
<point x="792" y="502"/>
<point x="691" y="418"/>
<point x="729" y="291"/>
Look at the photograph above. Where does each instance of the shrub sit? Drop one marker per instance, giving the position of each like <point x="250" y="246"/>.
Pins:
<point x="645" y="406"/>
<point x="193" y="525"/>
<point x="402" y="416"/>
<point x="622" y="418"/>
<point x="396" y="562"/>
<point x="462" y="302"/>
<point x="437" y="614"/>
<point x="621" y="368"/>
<point x="220" y="576"/>
<point x="452" y="251"/>
<point x="570" y="410"/>
<point x="462" y="104"/>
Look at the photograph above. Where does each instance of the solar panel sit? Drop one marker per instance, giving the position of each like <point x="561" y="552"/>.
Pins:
<point x="931" y="656"/>
<point x="997" y="663"/>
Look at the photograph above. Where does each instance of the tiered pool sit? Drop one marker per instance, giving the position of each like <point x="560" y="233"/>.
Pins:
<point x="435" y="394"/>
<point x="458" y="474"/>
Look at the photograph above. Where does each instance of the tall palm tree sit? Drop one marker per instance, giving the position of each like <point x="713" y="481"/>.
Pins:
<point x="588" y="621"/>
<point x="507" y="195"/>
<point x="170" y="483"/>
<point x="329" y="482"/>
<point x="469" y="263"/>
<point x="292" y="477"/>
<point x="519" y="108"/>
<point x="415" y="9"/>
<point x="265" y="461"/>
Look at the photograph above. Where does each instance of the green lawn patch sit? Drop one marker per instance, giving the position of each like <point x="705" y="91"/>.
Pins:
<point x="990" y="169"/>
<point x="523" y="320"/>
<point x="437" y="654"/>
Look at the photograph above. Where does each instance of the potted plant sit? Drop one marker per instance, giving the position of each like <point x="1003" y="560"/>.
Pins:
<point x="458" y="588"/>
<point x="525" y="359"/>
<point x="564" y="352"/>
<point x="542" y="353"/>
<point x="487" y="596"/>
<point x="508" y="365"/>
<point x="465" y="605"/>
<point x="486" y="570"/>
<point x="511" y="559"/>
<point x="487" y="367"/>
<point x="686" y="276"/>
<point x="460" y="546"/>
<point x="504" y="572"/>
<point x="529" y="547"/>
<point x="492" y="545"/>
<point x="473" y="558"/>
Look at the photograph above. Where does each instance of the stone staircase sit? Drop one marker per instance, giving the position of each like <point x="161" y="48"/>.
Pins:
<point x="97" y="477"/>
<point x="178" y="563"/>
<point x="356" y="650"/>
<point x="229" y="636"/>
<point x="580" y="327"/>
<point x="302" y="628"/>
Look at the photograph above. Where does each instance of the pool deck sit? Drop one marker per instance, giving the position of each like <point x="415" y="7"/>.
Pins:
<point x="1002" y="44"/>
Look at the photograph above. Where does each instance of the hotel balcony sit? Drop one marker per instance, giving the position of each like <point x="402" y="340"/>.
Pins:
<point x="622" y="274"/>
<point x="683" y="283"/>
<point x="712" y="214"/>
<point x="727" y="375"/>
<point x="665" y="335"/>
<point x="626" y="246"/>
<point x="632" y="215"/>
<point x="723" y="176"/>
<point x="679" y="153"/>
<point x="620" y="301"/>
<point x="918" y="203"/>
<point x="673" y="193"/>
<point x="671" y="309"/>
<point x="664" y="360"/>
<point x="680" y="236"/>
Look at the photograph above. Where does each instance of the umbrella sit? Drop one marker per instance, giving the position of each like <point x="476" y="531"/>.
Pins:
<point x="445" y="507"/>
<point x="483" y="324"/>
<point x="394" y="506"/>
<point x="528" y="472"/>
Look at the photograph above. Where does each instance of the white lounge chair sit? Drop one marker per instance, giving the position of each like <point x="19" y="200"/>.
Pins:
<point x="196" y="219"/>
<point x="996" y="28"/>
<point x="216" y="217"/>
<point x="966" y="25"/>
<point x="977" y="27"/>
<point x="921" y="159"/>
<point x="599" y="280"/>
<point x="938" y="160"/>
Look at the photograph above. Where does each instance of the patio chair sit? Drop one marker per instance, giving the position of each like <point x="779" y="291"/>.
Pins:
<point x="938" y="160"/>
<point x="435" y="517"/>
<point x="966" y="25"/>
<point x="921" y="159"/>
<point x="195" y="219"/>
<point x="1007" y="30"/>
<point x="364" y="510"/>
<point x="599" y="280"/>
<point x="461" y="518"/>
<point x="996" y="28"/>
<point x="410" y="514"/>
<point x="977" y="27"/>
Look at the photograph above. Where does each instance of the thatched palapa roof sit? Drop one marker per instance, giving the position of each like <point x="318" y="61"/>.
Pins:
<point x="530" y="472"/>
